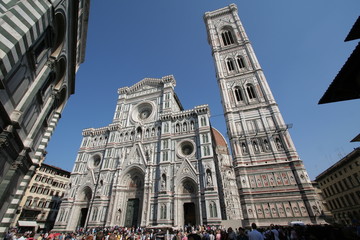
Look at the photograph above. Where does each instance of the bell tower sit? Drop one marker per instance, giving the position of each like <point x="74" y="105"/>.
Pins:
<point x="273" y="184"/>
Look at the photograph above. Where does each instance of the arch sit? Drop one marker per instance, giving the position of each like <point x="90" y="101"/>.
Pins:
<point x="250" y="91"/>
<point x="61" y="99"/>
<point x="227" y="36"/>
<point x="60" y="69"/>
<point x="230" y="64"/>
<point x="85" y="194"/>
<point x="238" y="94"/>
<point x="59" y="32"/>
<point x="185" y="127"/>
<point x="209" y="180"/>
<point x="213" y="209"/>
<point x="163" y="211"/>
<point x="138" y="133"/>
<point x="187" y="186"/>
<point x="131" y="175"/>
<point x="132" y="181"/>
<point x="163" y="182"/>
<point x="240" y="62"/>
<point x="188" y="205"/>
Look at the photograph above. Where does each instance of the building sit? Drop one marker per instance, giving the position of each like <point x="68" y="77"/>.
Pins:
<point x="340" y="182"/>
<point x="323" y="205"/>
<point x="273" y="183"/>
<point x="340" y="185"/>
<point x="42" y="45"/>
<point x="345" y="85"/>
<point x="40" y="204"/>
<point x="155" y="164"/>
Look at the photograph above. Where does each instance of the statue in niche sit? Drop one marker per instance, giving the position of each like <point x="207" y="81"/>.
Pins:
<point x="278" y="143"/>
<point x="244" y="150"/>
<point x="147" y="153"/>
<point x="163" y="184"/>
<point x="209" y="179"/>
<point x="256" y="147"/>
<point x="138" y="136"/>
<point x="267" y="147"/>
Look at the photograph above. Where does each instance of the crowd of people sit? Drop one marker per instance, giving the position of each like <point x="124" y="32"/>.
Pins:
<point x="308" y="232"/>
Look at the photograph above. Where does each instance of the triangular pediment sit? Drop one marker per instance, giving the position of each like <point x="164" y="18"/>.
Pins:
<point x="136" y="155"/>
<point x="186" y="170"/>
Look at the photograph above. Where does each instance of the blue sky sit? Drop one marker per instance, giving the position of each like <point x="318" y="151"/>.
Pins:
<point x="299" y="44"/>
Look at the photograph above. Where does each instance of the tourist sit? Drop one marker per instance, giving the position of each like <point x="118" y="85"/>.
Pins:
<point x="255" y="234"/>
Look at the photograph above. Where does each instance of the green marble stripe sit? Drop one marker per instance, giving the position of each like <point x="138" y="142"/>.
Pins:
<point x="46" y="6"/>
<point x="9" y="54"/>
<point x="2" y="67"/>
<point x="29" y="29"/>
<point x="28" y="13"/>
<point x="13" y="24"/>
<point x="34" y="4"/>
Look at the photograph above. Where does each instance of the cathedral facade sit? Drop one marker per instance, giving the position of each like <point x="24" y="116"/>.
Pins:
<point x="155" y="164"/>
<point x="158" y="164"/>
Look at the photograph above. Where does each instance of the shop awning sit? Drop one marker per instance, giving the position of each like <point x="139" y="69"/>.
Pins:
<point x="27" y="223"/>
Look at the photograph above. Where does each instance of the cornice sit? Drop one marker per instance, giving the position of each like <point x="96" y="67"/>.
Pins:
<point x="198" y="110"/>
<point x="147" y="81"/>
<point x="220" y="12"/>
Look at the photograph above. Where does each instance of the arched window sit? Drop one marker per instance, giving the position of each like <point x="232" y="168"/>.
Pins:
<point x="250" y="91"/>
<point x="165" y="144"/>
<point x="163" y="211"/>
<point x="230" y="64"/>
<point x="240" y="61"/>
<point x="166" y="127"/>
<point x="205" y="138"/>
<point x="203" y="121"/>
<point x="165" y="156"/>
<point x="227" y="37"/>
<point x="94" y="216"/>
<point x="206" y="150"/>
<point x="238" y="94"/>
<point x="213" y="210"/>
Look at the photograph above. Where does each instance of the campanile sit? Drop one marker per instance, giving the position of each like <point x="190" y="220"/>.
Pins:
<point x="273" y="185"/>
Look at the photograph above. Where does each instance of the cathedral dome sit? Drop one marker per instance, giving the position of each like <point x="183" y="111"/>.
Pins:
<point x="219" y="140"/>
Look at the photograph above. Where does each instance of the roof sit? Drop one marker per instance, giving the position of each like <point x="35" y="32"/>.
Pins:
<point x="346" y="85"/>
<point x="339" y="164"/>
<point x="219" y="138"/>
<point x="354" y="32"/>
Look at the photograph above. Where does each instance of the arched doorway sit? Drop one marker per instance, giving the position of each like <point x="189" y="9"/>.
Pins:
<point x="188" y="203"/>
<point x="133" y="194"/>
<point x="85" y="198"/>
